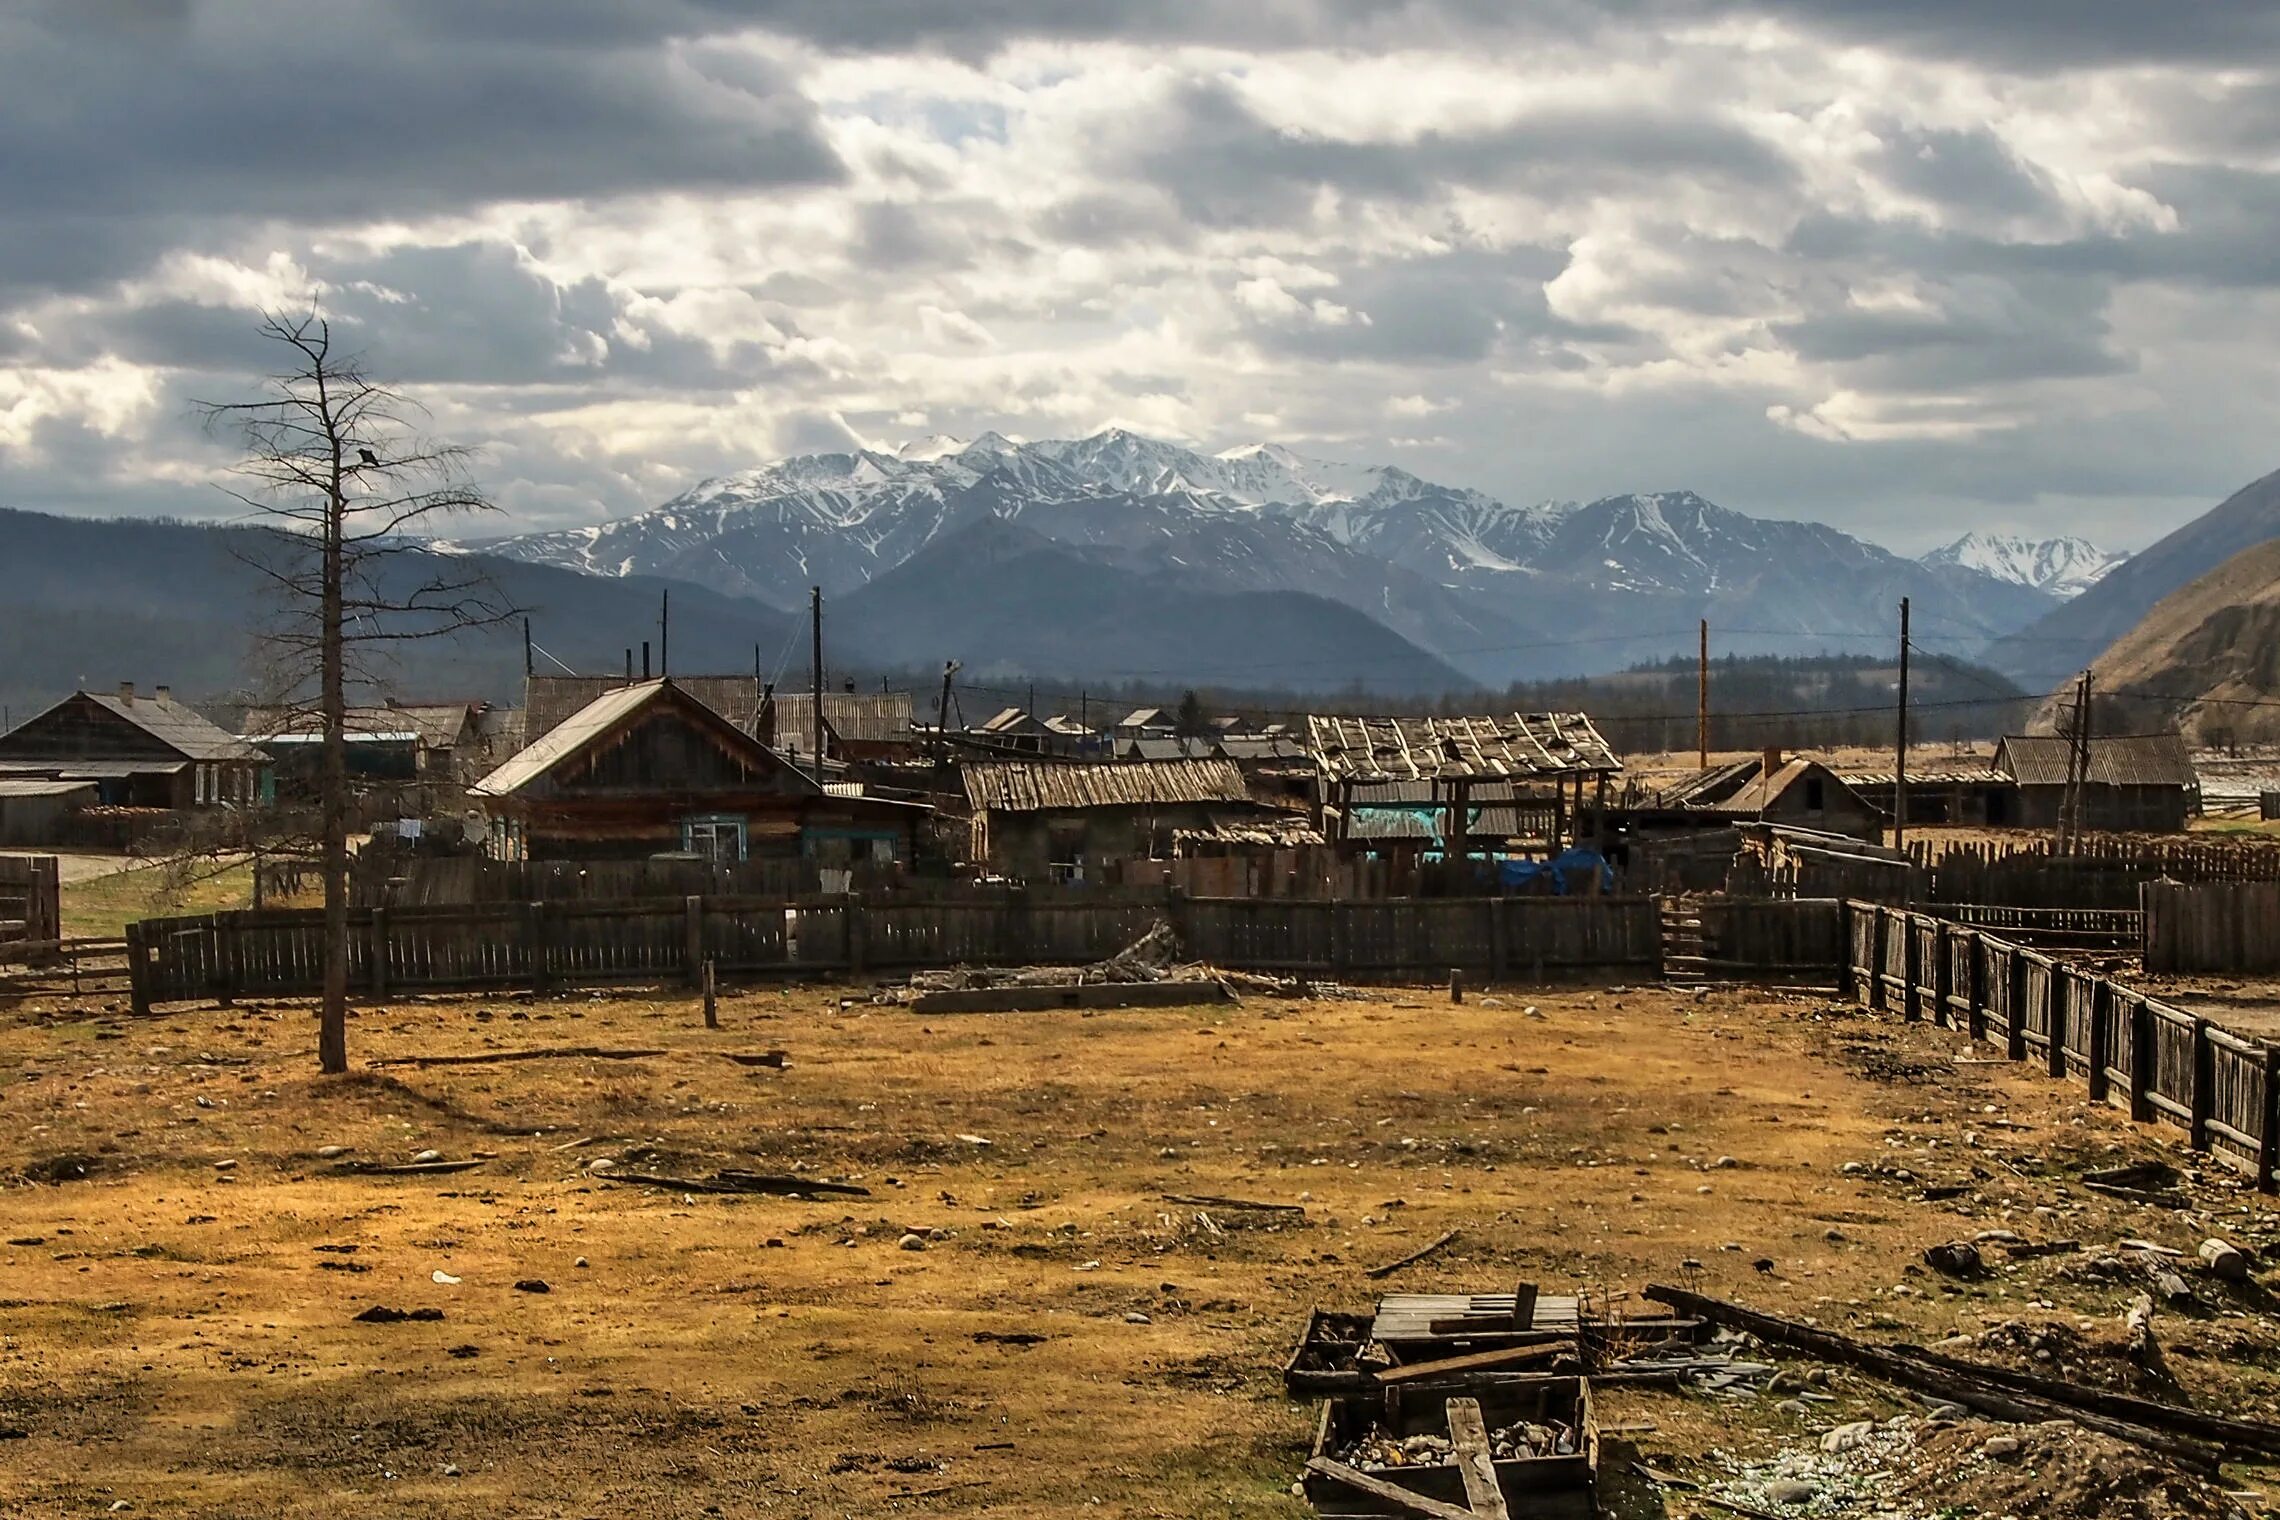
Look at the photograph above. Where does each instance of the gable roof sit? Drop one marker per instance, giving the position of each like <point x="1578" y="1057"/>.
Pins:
<point x="551" y="700"/>
<point x="2123" y="760"/>
<point x="175" y="726"/>
<point x="598" y="718"/>
<point x="1763" y="791"/>
<point x="1016" y="786"/>
<point x="1521" y="747"/>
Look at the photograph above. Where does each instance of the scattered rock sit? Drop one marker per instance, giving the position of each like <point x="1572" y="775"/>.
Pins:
<point x="442" y="1277"/>
<point x="334" y="1152"/>
<point x="1137" y="1318"/>
<point x="227" y="1164"/>
<point x="912" y="1242"/>
<point x="1796" y="1409"/>
<point x="1847" y="1437"/>
<point x="532" y="1285"/>
<point x="424" y="1157"/>
<point x="581" y="1261"/>
<point x="382" y="1314"/>
<point x="1957" y="1258"/>
<point x="2000" y="1448"/>
<point x="2225" y="1260"/>
<point x="451" y="1469"/>
<point x="464" y="1353"/>
<point x="1791" y="1491"/>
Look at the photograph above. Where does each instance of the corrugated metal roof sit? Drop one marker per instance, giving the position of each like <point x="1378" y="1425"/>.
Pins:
<point x="93" y="770"/>
<point x="1274" y="833"/>
<point x="2123" y="760"/>
<point x="29" y="787"/>
<point x="177" y="727"/>
<point x="548" y="701"/>
<point x="859" y="717"/>
<point x="1522" y="746"/>
<point x="1025" y="787"/>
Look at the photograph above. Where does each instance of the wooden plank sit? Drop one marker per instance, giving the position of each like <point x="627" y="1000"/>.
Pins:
<point x="1468" y="1436"/>
<point x="1392" y="1494"/>
<point x="1480" y="1361"/>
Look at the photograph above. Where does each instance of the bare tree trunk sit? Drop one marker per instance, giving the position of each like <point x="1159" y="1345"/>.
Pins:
<point x="332" y="785"/>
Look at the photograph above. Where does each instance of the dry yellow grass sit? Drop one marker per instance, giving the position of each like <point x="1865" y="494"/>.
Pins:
<point x="176" y="1335"/>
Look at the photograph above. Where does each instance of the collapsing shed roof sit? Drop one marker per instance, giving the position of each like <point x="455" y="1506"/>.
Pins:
<point x="1524" y="746"/>
<point x="1023" y="787"/>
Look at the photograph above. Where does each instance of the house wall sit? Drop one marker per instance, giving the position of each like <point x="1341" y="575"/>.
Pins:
<point x="39" y="820"/>
<point x="1841" y="812"/>
<point x="1026" y="845"/>
<point x="2110" y="809"/>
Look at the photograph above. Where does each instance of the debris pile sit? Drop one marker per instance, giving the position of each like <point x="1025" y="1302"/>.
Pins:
<point x="1156" y="956"/>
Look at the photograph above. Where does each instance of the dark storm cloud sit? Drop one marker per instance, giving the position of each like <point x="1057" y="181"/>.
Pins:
<point x="1226" y="167"/>
<point x="335" y="111"/>
<point x="1973" y="332"/>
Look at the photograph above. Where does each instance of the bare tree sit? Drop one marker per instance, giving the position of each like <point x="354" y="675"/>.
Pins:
<point x="338" y="464"/>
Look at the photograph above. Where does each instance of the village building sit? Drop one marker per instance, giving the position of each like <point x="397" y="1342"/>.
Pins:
<point x="2141" y="783"/>
<point x="1795" y="791"/>
<point x="148" y="752"/>
<point x="858" y="726"/>
<point x="1016" y="730"/>
<point x="649" y="769"/>
<point x="1425" y="783"/>
<point x="1144" y="723"/>
<point x="1070" y="822"/>
<point x="1952" y="794"/>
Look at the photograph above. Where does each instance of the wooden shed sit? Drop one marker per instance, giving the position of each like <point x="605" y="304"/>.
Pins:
<point x="649" y="769"/>
<point x="2133" y="783"/>
<point x="1043" y="821"/>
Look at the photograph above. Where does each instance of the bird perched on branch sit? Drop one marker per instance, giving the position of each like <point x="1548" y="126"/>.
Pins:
<point x="368" y="456"/>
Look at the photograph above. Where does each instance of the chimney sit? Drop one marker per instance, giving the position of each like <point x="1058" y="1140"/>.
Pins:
<point x="764" y="722"/>
<point x="126" y="691"/>
<point x="165" y="693"/>
<point x="1772" y="759"/>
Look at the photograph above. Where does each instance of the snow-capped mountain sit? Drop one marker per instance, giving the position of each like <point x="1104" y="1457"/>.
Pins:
<point x="1497" y="590"/>
<point x="2064" y="567"/>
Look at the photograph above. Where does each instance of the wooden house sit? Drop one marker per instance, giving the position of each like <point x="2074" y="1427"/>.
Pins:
<point x="649" y="769"/>
<point x="2134" y="783"/>
<point x="1794" y="791"/>
<point x="138" y="752"/>
<point x="1060" y="821"/>
<point x="857" y="725"/>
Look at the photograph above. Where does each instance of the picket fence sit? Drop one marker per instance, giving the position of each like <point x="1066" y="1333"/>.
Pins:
<point x="2129" y="1049"/>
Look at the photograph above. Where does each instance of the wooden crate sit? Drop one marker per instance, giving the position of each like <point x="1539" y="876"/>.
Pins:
<point x="1552" y="1488"/>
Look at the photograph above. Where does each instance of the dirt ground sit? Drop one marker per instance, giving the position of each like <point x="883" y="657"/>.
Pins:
<point x="179" y="1308"/>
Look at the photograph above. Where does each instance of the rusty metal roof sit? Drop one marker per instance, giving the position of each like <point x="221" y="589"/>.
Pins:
<point x="857" y="717"/>
<point x="2122" y="760"/>
<point x="1017" y="786"/>
<point x="177" y="727"/>
<point x="1520" y="747"/>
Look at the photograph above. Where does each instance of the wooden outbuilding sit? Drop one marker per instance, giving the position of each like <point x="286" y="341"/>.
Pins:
<point x="2133" y="783"/>
<point x="1521" y="763"/>
<point x="138" y="752"/>
<point x="649" y="769"/>
<point x="1047" y="821"/>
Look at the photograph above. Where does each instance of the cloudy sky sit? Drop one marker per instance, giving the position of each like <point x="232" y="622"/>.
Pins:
<point x="1907" y="266"/>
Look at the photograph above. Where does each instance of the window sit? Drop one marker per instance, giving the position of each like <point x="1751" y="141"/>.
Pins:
<point x="1813" y="794"/>
<point x="718" y="837"/>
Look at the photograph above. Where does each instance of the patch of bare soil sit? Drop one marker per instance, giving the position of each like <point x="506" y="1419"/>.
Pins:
<point x="2052" y="1472"/>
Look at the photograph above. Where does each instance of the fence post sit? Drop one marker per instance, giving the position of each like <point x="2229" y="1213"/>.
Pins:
<point x="1943" y="975"/>
<point x="138" y="970"/>
<point x="2268" y="1125"/>
<point x="2101" y="1038"/>
<point x="1879" y="932"/>
<point x="376" y="956"/>
<point x="2141" y="1061"/>
<point x="2015" y="1017"/>
<point x="1975" y="1001"/>
<point x="693" y="939"/>
<point x="2204" y="1086"/>
<point x="1911" y="971"/>
<point x="2054" y="996"/>
<point x="1848" y="975"/>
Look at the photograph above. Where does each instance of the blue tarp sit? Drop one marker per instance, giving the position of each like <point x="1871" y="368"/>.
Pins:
<point x="1567" y="873"/>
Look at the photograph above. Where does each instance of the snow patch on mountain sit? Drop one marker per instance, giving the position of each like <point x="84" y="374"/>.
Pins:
<point x="2064" y="567"/>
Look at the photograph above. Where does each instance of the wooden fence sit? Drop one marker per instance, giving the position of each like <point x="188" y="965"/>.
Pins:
<point x="2129" y="1049"/>
<point x="2104" y="870"/>
<point x="31" y="906"/>
<point x="545" y="945"/>
<point x="2225" y="927"/>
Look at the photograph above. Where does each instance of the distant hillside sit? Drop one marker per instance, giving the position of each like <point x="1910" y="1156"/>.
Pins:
<point x="1007" y="601"/>
<point x="97" y="602"/>
<point x="2202" y="657"/>
<point x="2056" y="645"/>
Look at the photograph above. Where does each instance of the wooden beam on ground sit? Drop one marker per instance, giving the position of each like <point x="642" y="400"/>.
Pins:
<point x="1212" y="1201"/>
<point x="740" y="1182"/>
<point x="1468" y="1437"/>
<point x="1970" y="1390"/>
<point x="1391" y="1494"/>
<point x="1085" y="995"/>
<point x="1413" y="1257"/>
<point x="548" y="1053"/>
<point x="1478" y="1361"/>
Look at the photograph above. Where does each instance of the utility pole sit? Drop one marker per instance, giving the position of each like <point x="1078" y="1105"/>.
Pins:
<point x="1702" y="699"/>
<point x="942" y="713"/>
<point x="815" y="621"/>
<point x="665" y="632"/>
<point x="529" y="665"/>
<point x="1900" y="744"/>
<point x="2077" y="769"/>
